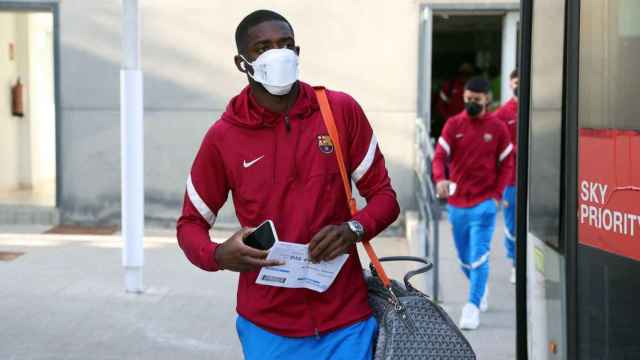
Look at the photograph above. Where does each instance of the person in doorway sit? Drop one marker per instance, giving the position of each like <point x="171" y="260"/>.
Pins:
<point x="271" y="150"/>
<point x="450" y="101"/>
<point x="476" y="147"/>
<point x="508" y="113"/>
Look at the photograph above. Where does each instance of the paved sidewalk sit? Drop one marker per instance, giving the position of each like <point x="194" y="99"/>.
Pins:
<point x="64" y="299"/>
<point x="495" y="338"/>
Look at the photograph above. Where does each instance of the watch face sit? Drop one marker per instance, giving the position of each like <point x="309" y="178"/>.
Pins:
<point x="356" y="227"/>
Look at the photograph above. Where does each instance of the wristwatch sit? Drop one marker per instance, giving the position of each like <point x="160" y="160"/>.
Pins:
<point x="356" y="228"/>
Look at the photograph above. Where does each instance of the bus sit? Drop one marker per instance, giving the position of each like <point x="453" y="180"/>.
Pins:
<point x="578" y="283"/>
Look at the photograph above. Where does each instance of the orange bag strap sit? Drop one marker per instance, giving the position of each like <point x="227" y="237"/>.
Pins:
<point x="330" y="124"/>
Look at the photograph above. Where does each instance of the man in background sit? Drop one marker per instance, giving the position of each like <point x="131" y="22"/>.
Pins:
<point x="477" y="149"/>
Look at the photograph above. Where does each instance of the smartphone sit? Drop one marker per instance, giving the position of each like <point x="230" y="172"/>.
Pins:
<point x="263" y="237"/>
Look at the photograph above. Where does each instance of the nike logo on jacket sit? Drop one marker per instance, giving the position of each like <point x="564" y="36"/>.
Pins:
<point x="246" y="164"/>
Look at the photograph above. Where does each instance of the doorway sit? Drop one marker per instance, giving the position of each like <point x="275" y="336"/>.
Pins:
<point x="464" y="46"/>
<point x="460" y="43"/>
<point x="28" y="108"/>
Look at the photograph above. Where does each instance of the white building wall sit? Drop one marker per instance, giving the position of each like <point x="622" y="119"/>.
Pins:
<point x="41" y="100"/>
<point x="368" y="49"/>
<point x="9" y="125"/>
<point x="476" y="4"/>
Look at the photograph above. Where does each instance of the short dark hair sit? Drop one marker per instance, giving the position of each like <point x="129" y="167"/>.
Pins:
<point x="477" y="84"/>
<point x="255" y="18"/>
<point x="514" y="74"/>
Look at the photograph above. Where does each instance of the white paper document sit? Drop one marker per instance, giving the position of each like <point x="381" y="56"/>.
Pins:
<point x="298" y="271"/>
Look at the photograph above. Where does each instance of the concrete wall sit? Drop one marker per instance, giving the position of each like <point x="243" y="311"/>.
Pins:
<point x="473" y="4"/>
<point x="9" y="125"/>
<point x="24" y="72"/>
<point x="42" y="124"/>
<point x="188" y="50"/>
<point x="366" y="48"/>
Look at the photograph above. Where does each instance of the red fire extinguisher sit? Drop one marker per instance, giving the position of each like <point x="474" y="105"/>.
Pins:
<point x="17" y="99"/>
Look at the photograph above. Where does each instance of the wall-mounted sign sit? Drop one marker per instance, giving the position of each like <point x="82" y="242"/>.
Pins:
<point x="609" y="191"/>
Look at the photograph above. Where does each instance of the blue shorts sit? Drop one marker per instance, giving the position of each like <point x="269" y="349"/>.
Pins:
<point x="354" y="342"/>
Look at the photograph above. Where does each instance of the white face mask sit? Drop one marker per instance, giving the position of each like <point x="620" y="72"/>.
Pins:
<point x="276" y="69"/>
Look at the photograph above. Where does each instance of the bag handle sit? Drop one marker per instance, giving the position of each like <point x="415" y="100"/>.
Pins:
<point x="330" y="124"/>
<point x="407" y="277"/>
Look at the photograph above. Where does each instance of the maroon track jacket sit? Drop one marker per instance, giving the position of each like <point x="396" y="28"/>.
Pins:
<point x="479" y="155"/>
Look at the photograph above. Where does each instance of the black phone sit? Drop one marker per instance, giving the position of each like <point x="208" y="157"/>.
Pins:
<point x="263" y="237"/>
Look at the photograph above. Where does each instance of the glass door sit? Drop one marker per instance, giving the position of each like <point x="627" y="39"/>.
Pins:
<point x="545" y="253"/>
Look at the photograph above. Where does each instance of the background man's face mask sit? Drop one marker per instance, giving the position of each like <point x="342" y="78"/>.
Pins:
<point x="473" y="108"/>
<point x="276" y="69"/>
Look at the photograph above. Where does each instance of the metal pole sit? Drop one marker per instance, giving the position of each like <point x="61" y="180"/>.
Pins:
<point x="526" y="24"/>
<point x="436" y="254"/>
<point x="132" y="145"/>
<point x="427" y="42"/>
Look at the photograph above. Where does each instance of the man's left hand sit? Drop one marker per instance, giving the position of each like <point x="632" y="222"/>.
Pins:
<point x="331" y="241"/>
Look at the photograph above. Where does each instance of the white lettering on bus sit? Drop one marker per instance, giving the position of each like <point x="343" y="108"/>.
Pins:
<point x="615" y="221"/>
<point x="593" y="192"/>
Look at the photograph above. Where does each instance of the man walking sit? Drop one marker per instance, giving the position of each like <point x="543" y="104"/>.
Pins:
<point x="477" y="149"/>
<point x="508" y="113"/>
<point x="271" y="150"/>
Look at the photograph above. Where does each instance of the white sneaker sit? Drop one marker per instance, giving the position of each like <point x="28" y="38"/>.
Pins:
<point x="512" y="278"/>
<point x="470" y="319"/>
<point x="484" y="303"/>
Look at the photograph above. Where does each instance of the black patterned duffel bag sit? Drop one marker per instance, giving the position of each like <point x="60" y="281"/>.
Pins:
<point x="411" y="326"/>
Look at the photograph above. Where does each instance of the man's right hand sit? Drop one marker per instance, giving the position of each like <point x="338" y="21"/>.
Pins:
<point x="235" y="255"/>
<point x="442" y="189"/>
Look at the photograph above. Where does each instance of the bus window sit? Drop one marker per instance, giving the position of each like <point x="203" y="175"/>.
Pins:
<point x="546" y="120"/>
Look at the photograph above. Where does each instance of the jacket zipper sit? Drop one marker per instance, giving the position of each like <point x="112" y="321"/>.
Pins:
<point x="287" y="124"/>
<point x="275" y="152"/>
<point x="314" y="322"/>
<point x="316" y="331"/>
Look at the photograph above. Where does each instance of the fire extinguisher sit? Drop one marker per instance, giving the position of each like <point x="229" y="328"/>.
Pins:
<point x="17" y="99"/>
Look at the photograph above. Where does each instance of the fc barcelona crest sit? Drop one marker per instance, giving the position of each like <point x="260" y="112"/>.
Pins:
<point x="325" y="144"/>
<point x="488" y="137"/>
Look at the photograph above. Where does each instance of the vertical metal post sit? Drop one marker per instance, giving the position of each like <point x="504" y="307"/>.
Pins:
<point x="570" y="129"/>
<point x="132" y="146"/>
<point x="427" y="43"/>
<point x="522" y="195"/>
